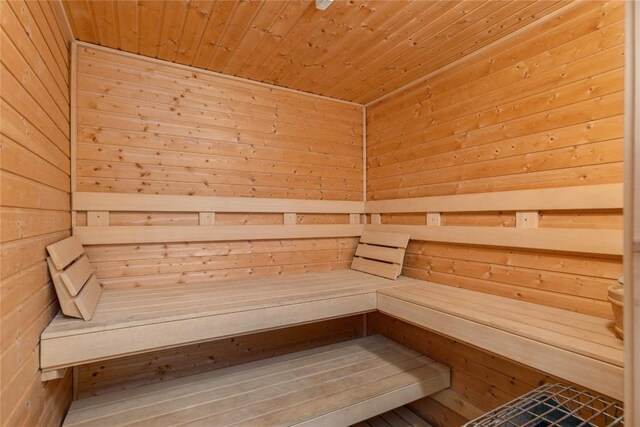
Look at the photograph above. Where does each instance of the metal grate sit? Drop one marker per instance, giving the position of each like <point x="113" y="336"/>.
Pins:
<point x="554" y="405"/>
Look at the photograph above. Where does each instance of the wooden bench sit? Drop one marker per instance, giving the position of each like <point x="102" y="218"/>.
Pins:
<point x="335" y="385"/>
<point x="579" y="348"/>
<point x="136" y="320"/>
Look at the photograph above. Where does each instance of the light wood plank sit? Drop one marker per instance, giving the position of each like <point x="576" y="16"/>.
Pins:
<point x="64" y="252"/>
<point x="371" y="374"/>
<point x="603" y="196"/>
<point x="206" y="218"/>
<point x="87" y="299"/>
<point x="76" y="275"/>
<point x="383" y="238"/>
<point x="166" y="234"/>
<point x="570" y="240"/>
<point x="86" y="201"/>
<point x="99" y="218"/>
<point x="382" y="253"/>
<point x="529" y="219"/>
<point x="390" y="271"/>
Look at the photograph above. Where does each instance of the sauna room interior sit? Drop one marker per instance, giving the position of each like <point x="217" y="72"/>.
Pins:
<point x="320" y="212"/>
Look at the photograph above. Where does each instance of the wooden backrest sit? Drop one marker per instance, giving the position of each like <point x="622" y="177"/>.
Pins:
<point x="76" y="284"/>
<point x="381" y="253"/>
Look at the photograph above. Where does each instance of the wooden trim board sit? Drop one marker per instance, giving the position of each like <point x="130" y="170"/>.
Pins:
<point x="603" y="196"/>
<point x="101" y="235"/>
<point x="88" y="201"/>
<point x="608" y="242"/>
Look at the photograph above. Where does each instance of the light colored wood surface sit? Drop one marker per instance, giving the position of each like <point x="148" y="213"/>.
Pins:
<point x="579" y="348"/>
<point x="77" y="274"/>
<point x="603" y="196"/>
<point x="294" y="45"/>
<point x="101" y="377"/>
<point x="631" y="213"/>
<point x="156" y="129"/>
<point x="114" y="202"/>
<point x="64" y="252"/>
<point x="607" y="242"/>
<point x="77" y="288"/>
<point x="216" y="233"/>
<point x="480" y="381"/>
<point x="335" y="385"/>
<point x="34" y="182"/>
<point x="380" y="254"/>
<point x="135" y="320"/>
<point x="398" y="417"/>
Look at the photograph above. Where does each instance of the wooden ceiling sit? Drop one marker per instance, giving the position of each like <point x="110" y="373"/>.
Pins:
<point x="355" y="50"/>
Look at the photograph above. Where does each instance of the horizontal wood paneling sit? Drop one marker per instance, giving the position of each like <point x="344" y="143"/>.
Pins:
<point x="538" y="110"/>
<point x="154" y="128"/>
<point x="353" y="50"/>
<point x="126" y="372"/>
<point x="34" y="179"/>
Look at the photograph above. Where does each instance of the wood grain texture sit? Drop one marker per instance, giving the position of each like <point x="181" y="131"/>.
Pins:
<point x="132" y="371"/>
<point x="338" y="384"/>
<point x="356" y="51"/>
<point x="481" y="380"/>
<point x="34" y="181"/>
<point x="162" y="130"/>
<point x="537" y="111"/>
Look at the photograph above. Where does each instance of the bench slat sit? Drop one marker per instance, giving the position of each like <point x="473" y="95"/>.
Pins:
<point x="340" y="384"/>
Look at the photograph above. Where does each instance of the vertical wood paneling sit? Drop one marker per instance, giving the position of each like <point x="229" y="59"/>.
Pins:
<point x="540" y="109"/>
<point x="35" y="203"/>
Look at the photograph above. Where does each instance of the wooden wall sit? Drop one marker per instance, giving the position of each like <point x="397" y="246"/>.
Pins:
<point x="539" y="109"/>
<point x="35" y="202"/>
<point x="151" y="127"/>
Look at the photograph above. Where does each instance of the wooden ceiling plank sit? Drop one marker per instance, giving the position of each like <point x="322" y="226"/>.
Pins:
<point x="218" y="20"/>
<point x="280" y="30"/>
<point x="380" y="33"/>
<point x="105" y="19"/>
<point x="175" y="14"/>
<point x="80" y="19"/>
<point x="379" y="57"/>
<point x="257" y="31"/>
<point x="484" y="17"/>
<point x="326" y="42"/>
<point x="150" y="14"/>
<point x="511" y="21"/>
<point x="427" y="35"/>
<point x="306" y="24"/>
<point x="127" y="14"/>
<point x="551" y="35"/>
<point x="197" y="19"/>
<point x="239" y="24"/>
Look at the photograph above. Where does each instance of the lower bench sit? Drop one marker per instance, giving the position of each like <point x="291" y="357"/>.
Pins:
<point x="335" y="385"/>
<point x="576" y="347"/>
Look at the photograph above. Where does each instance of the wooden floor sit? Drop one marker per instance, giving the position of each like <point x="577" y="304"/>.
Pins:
<point x="133" y="320"/>
<point x="335" y="385"/>
<point x="573" y="346"/>
<point x="399" y="417"/>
